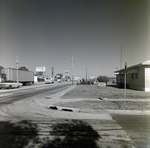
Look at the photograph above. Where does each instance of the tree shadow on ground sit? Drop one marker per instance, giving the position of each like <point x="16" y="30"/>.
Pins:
<point x="17" y="135"/>
<point x="68" y="134"/>
<point x="74" y="134"/>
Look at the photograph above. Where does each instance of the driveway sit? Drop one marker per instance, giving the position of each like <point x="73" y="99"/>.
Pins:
<point x="137" y="127"/>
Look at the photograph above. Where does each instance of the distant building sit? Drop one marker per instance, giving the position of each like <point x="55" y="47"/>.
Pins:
<point x="137" y="77"/>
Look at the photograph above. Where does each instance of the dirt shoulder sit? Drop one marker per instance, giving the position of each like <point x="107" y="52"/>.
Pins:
<point x="96" y="98"/>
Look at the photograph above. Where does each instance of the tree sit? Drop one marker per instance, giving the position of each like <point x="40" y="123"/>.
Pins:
<point x="102" y="79"/>
<point x="23" y="68"/>
<point x="1" y="67"/>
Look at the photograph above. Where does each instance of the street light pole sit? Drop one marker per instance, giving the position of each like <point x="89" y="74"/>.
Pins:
<point x="72" y="69"/>
<point x="17" y="67"/>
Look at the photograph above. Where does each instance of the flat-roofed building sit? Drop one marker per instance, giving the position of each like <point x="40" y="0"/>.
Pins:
<point x="137" y="77"/>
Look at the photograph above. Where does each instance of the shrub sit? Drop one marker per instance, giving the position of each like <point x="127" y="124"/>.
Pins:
<point x="102" y="79"/>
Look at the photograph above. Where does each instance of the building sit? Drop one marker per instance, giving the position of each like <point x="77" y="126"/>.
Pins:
<point x="137" y="77"/>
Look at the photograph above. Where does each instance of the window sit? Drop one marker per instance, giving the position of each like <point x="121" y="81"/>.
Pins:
<point x="136" y="75"/>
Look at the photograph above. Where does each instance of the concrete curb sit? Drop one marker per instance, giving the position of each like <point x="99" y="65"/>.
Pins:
<point x="49" y="101"/>
<point x="129" y="112"/>
<point x="52" y="99"/>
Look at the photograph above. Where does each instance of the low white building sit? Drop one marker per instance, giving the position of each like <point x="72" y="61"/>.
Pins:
<point x="137" y="77"/>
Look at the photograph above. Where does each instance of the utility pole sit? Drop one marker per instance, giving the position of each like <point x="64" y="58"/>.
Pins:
<point x="86" y="75"/>
<point x="121" y="57"/>
<point x="125" y="72"/>
<point x="52" y="72"/>
<point x="72" y="68"/>
<point x="17" y="67"/>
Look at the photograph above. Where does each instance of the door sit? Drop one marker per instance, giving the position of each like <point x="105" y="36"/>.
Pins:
<point x="147" y="79"/>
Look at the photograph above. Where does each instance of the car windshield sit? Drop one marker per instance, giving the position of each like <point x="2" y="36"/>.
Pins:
<point x="47" y="78"/>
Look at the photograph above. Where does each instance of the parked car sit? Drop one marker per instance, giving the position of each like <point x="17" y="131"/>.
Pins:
<point x="10" y="85"/>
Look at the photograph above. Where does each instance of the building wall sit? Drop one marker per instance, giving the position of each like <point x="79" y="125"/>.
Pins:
<point x="136" y="80"/>
<point x="137" y="77"/>
<point x="147" y="79"/>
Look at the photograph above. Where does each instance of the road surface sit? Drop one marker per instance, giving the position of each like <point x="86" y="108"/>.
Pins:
<point x="9" y="96"/>
<point x="137" y="127"/>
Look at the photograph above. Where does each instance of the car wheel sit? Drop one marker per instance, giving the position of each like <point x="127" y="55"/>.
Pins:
<point x="10" y="87"/>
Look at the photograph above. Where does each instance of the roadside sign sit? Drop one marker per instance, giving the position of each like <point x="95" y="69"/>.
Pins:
<point x="40" y="69"/>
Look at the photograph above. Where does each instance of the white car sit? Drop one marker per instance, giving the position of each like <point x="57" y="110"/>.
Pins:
<point x="48" y="81"/>
<point x="10" y="85"/>
<point x="59" y="80"/>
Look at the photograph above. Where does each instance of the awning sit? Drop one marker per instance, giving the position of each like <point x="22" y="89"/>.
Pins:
<point x="135" y="70"/>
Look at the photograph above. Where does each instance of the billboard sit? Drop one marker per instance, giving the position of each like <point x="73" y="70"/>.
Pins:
<point x="40" y="69"/>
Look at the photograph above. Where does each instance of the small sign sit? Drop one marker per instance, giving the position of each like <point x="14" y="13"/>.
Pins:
<point x="66" y="71"/>
<point x="102" y="84"/>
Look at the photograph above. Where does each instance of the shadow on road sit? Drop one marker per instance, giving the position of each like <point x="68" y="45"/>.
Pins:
<point x="17" y="135"/>
<point x="71" y="134"/>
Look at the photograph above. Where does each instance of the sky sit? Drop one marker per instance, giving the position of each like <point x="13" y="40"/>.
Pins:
<point x="101" y="35"/>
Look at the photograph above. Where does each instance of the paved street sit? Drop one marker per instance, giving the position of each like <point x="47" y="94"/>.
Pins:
<point x="137" y="127"/>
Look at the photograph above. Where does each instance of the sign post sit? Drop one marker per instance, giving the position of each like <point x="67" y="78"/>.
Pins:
<point x="72" y="68"/>
<point x="17" y="67"/>
<point x="52" y="72"/>
<point x="125" y="71"/>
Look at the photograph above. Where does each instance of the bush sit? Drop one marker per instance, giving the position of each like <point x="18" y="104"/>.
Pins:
<point x="102" y="79"/>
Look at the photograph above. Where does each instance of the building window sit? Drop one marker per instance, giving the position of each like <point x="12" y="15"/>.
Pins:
<point x="136" y="75"/>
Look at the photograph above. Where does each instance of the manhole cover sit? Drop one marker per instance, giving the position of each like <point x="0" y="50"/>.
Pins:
<point x="47" y="97"/>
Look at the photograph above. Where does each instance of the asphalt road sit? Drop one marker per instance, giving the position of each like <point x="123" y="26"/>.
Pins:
<point x="137" y="127"/>
<point x="9" y="96"/>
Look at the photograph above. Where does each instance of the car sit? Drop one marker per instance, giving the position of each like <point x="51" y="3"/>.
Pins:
<point x="10" y="85"/>
<point x="48" y="80"/>
<point x="59" y="80"/>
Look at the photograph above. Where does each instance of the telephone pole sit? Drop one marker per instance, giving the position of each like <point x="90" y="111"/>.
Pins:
<point x="17" y="67"/>
<point x="121" y="57"/>
<point x="72" y="68"/>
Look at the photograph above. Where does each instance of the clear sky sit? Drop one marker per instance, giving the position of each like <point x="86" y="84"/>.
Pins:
<point x="46" y="32"/>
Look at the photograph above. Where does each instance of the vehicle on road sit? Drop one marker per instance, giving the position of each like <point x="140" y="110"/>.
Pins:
<point x="58" y="76"/>
<point x="11" y="75"/>
<point x="59" y="80"/>
<point x="48" y="80"/>
<point x="10" y="85"/>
